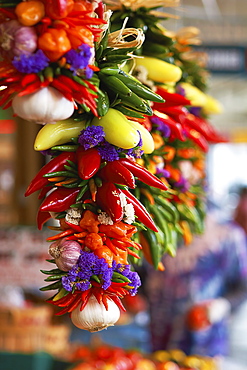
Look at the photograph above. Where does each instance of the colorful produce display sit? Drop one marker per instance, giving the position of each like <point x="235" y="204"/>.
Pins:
<point x="105" y="357"/>
<point x="126" y="143"/>
<point x="179" y="126"/>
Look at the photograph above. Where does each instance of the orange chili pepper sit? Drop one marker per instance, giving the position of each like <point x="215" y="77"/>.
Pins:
<point x="30" y="13"/>
<point x="90" y="222"/>
<point x="158" y="140"/>
<point x="93" y="241"/>
<point x="54" y="43"/>
<point x="148" y="195"/>
<point x="80" y="35"/>
<point x="105" y="253"/>
<point x="121" y="256"/>
<point x="169" y="153"/>
<point x="187" y="235"/>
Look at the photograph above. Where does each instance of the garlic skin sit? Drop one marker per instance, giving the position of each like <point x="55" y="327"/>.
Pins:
<point x="46" y="105"/>
<point x="65" y="253"/>
<point x="94" y="317"/>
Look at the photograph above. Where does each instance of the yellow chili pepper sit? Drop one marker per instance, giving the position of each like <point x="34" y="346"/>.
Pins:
<point x="30" y="13"/>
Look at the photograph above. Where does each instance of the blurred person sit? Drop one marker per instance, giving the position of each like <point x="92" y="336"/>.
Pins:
<point x="240" y="213"/>
<point x="191" y="301"/>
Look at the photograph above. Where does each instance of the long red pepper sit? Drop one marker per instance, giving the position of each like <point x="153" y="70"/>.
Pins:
<point x="198" y="138"/>
<point x="56" y="164"/>
<point x="108" y="199"/>
<point x="143" y="174"/>
<point x="88" y="162"/>
<point x="117" y="173"/>
<point x="59" y="200"/>
<point x="42" y="218"/>
<point x="140" y="211"/>
<point x="171" y="99"/>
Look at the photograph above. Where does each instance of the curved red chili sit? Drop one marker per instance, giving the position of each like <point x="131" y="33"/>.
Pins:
<point x="56" y="164"/>
<point x="143" y="174"/>
<point x="108" y="199"/>
<point x="59" y="200"/>
<point x="140" y="211"/>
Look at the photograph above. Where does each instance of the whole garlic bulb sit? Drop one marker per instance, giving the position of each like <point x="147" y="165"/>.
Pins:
<point x="94" y="317"/>
<point x="65" y="253"/>
<point x="46" y="105"/>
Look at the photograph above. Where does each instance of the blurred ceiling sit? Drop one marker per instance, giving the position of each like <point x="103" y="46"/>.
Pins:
<point x="220" y="21"/>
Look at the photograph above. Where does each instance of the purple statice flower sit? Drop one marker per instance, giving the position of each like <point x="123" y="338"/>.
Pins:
<point x="163" y="172"/>
<point x="32" y="63"/>
<point x="135" y="282"/>
<point x="182" y="184"/>
<point x="161" y="126"/>
<point x="83" y="285"/>
<point x="102" y="269"/>
<point x="88" y="73"/>
<point x="91" y="136"/>
<point x="79" y="59"/>
<point x="67" y="282"/>
<point x="196" y="111"/>
<point x="108" y="152"/>
<point x="131" y="275"/>
<point x="80" y="274"/>
<point x="136" y="152"/>
<point x="180" y="90"/>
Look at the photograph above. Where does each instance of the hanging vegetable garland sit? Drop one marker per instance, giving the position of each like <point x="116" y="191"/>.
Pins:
<point x="179" y="126"/>
<point x="57" y="69"/>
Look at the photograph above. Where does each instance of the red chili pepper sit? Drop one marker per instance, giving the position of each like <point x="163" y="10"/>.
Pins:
<point x="118" y="302"/>
<point x="110" y="245"/>
<point x="85" y="298"/>
<point x="143" y="174"/>
<point x="28" y="79"/>
<point x="140" y="210"/>
<point x="175" y="127"/>
<point x="171" y="99"/>
<point x="60" y="235"/>
<point x="42" y="217"/>
<point x="57" y="9"/>
<point x="56" y="164"/>
<point x="44" y="191"/>
<point x="108" y="199"/>
<point x="76" y="228"/>
<point x="88" y="162"/>
<point x="204" y="127"/>
<point x="117" y="173"/>
<point x="59" y="200"/>
<point x="198" y="138"/>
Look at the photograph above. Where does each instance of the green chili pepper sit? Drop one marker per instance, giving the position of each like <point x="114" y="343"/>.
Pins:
<point x="59" y="173"/>
<point x="117" y="275"/>
<point x="54" y="271"/>
<point x="55" y="277"/>
<point x="66" y="148"/>
<point x="127" y="111"/>
<point x="56" y="285"/>
<point x="81" y="193"/>
<point x="96" y="278"/>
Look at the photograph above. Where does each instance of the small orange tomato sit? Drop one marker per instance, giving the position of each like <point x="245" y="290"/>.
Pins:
<point x="30" y="13"/>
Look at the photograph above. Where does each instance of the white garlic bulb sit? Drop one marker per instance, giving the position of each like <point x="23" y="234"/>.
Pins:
<point x="94" y="317"/>
<point x="46" y="105"/>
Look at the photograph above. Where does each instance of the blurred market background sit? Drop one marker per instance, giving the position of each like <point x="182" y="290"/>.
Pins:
<point x="223" y="26"/>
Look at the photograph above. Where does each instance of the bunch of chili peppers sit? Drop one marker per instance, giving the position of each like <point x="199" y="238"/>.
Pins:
<point x="182" y="135"/>
<point x="86" y="184"/>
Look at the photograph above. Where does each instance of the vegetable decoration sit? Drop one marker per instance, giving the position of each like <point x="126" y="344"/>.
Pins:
<point x="58" y="58"/>
<point x="120" y="131"/>
<point x="179" y="126"/>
